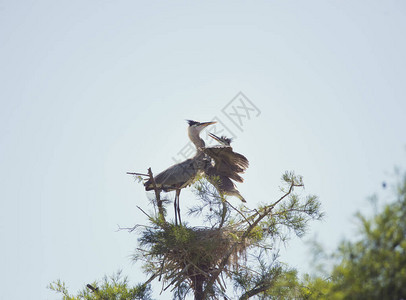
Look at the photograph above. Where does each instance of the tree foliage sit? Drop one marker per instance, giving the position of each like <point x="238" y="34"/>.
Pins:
<point x="374" y="266"/>
<point x="236" y="245"/>
<point x="238" y="248"/>
<point x="115" y="287"/>
<point x="236" y="251"/>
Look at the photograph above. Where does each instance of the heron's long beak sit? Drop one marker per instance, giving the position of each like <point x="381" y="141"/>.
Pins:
<point x="214" y="137"/>
<point x="205" y="124"/>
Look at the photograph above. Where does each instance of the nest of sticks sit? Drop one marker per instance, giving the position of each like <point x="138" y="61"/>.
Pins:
<point x="194" y="254"/>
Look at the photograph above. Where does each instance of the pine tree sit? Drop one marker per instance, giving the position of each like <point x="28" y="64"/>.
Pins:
<point x="237" y="252"/>
<point x="238" y="249"/>
<point x="113" y="287"/>
<point x="373" y="266"/>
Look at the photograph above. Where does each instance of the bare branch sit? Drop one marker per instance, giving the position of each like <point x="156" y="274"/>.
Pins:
<point x="157" y="196"/>
<point x="137" y="174"/>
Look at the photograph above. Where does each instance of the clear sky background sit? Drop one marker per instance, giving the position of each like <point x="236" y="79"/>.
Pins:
<point x="93" y="89"/>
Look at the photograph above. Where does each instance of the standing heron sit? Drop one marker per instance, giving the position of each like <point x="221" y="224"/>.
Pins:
<point x="183" y="174"/>
<point x="227" y="164"/>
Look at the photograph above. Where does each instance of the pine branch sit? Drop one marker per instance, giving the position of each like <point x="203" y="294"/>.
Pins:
<point x="224" y="261"/>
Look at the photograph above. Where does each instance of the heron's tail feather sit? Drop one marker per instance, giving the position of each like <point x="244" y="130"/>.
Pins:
<point x="240" y="197"/>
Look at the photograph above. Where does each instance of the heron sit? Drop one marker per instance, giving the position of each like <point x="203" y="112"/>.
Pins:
<point x="227" y="162"/>
<point x="183" y="174"/>
<point x="227" y="165"/>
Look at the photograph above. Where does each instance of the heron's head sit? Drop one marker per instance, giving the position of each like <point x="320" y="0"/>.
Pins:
<point x="196" y="127"/>
<point x="222" y="140"/>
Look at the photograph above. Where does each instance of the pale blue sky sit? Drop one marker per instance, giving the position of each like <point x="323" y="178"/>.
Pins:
<point x="92" y="89"/>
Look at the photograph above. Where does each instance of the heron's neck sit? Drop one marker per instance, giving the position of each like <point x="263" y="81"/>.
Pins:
<point x="197" y="141"/>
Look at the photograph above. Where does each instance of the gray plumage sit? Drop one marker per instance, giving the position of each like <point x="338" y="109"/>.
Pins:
<point x="227" y="165"/>
<point x="228" y="162"/>
<point x="222" y="183"/>
<point x="181" y="175"/>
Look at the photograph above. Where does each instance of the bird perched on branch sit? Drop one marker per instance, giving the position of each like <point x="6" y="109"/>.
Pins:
<point x="219" y="164"/>
<point x="181" y="175"/>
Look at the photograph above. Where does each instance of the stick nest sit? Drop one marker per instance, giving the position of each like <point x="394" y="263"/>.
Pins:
<point x="189" y="253"/>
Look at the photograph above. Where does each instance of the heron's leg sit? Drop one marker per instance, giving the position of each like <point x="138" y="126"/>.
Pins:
<point x="178" y="194"/>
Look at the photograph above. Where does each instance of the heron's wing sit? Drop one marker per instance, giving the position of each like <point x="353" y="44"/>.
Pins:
<point x="225" y="172"/>
<point x="227" y="160"/>
<point x="224" y="185"/>
<point x="174" y="177"/>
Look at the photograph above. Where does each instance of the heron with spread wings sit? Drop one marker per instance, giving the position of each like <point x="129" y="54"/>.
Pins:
<point x="183" y="174"/>
<point x="219" y="163"/>
<point x="227" y="165"/>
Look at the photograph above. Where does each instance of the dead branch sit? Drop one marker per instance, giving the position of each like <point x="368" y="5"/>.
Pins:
<point x="137" y="174"/>
<point x="157" y="196"/>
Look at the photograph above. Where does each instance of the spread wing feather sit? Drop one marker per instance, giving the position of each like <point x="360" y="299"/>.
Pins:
<point x="227" y="161"/>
